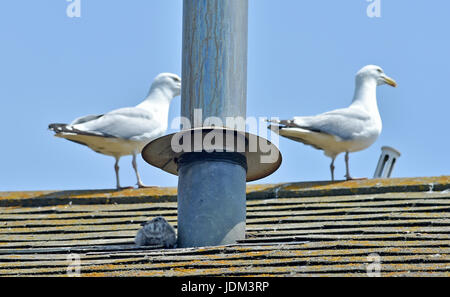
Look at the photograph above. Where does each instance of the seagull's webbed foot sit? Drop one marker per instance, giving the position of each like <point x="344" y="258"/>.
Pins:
<point x="356" y="178"/>
<point x="124" y="188"/>
<point x="142" y="186"/>
<point x="116" y="169"/>
<point x="139" y="181"/>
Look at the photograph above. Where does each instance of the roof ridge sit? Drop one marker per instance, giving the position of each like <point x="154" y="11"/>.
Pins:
<point x="286" y="190"/>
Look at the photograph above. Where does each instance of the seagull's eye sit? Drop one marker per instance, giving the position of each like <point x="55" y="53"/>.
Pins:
<point x="176" y="79"/>
<point x="379" y="70"/>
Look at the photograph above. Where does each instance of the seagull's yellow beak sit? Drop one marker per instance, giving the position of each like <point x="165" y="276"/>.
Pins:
<point x="390" y="81"/>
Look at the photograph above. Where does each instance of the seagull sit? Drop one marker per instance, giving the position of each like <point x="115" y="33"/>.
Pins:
<point x="345" y="130"/>
<point x="126" y="131"/>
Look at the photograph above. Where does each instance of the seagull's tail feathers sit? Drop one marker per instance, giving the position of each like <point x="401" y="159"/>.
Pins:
<point x="279" y="125"/>
<point x="315" y="139"/>
<point x="287" y="123"/>
<point x="63" y="130"/>
<point x="96" y="141"/>
<point x="57" y="128"/>
<point x="273" y="121"/>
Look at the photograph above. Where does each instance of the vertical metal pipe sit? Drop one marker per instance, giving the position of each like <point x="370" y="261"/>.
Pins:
<point x="215" y="34"/>
<point x="211" y="192"/>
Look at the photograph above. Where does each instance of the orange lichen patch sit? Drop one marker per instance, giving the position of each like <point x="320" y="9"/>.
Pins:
<point x="369" y="186"/>
<point x="260" y="188"/>
<point x="425" y="182"/>
<point x="156" y="194"/>
<point x="153" y="192"/>
<point x="47" y="198"/>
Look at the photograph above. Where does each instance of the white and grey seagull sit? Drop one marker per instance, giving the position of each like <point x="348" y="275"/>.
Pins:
<point x="345" y="130"/>
<point x="126" y="131"/>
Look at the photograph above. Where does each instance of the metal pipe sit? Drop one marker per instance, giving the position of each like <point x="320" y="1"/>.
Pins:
<point x="215" y="34"/>
<point x="211" y="191"/>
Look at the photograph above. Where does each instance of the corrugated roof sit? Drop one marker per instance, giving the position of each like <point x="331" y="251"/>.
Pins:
<point x="298" y="229"/>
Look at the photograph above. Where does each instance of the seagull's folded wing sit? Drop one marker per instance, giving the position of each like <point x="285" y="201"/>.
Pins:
<point x="345" y="123"/>
<point x="126" y="123"/>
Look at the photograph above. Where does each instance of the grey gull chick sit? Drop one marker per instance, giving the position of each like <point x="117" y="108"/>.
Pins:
<point x="156" y="232"/>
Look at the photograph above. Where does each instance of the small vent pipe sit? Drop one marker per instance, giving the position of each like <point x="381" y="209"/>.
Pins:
<point x="388" y="159"/>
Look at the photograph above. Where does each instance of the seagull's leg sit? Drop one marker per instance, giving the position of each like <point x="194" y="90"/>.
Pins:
<point x="347" y="175"/>
<point x="139" y="181"/>
<point x="116" y="168"/>
<point x="332" y="168"/>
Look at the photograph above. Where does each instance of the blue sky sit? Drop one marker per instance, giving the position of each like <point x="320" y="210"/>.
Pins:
<point x="302" y="59"/>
